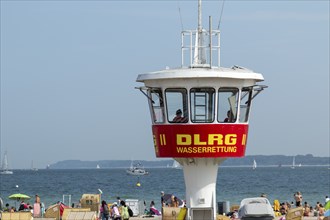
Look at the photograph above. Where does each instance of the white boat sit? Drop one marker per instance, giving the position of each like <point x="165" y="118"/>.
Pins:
<point x="4" y="169"/>
<point x="98" y="166"/>
<point x="32" y="167"/>
<point x="176" y="165"/>
<point x="293" y="163"/>
<point x="136" y="170"/>
<point x="254" y="166"/>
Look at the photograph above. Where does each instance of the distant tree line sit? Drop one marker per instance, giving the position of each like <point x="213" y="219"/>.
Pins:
<point x="262" y="160"/>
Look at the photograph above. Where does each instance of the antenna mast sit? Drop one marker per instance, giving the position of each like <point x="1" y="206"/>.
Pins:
<point x="199" y="16"/>
<point x="199" y="43"/>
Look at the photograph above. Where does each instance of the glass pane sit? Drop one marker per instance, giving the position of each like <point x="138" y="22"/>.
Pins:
<point x="245" y="104"/>
<point x="157" y="105"/>
<point x="227" y="105"/>
<point x="177" y="108"/>
<point x="202" y="105"/>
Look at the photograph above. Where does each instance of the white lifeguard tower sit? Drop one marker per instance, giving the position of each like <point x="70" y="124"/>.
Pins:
<point x="200" y="114"/>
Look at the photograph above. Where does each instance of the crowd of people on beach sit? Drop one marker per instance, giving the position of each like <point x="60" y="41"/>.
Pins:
<point x="115" y="211"/>
<point x="309" y="210"/>
<point x="121" y="211"/>
<point x="37" y="209"/>
<point x="281" y="209"/>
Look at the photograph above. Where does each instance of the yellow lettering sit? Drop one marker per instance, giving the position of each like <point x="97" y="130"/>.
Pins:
<point x="215" y="137"/>
<point x="230" y="139"/>
<point x="183" y="139"/>
<point x="197" y="140"/>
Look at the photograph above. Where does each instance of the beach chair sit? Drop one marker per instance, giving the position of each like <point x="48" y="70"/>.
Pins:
<point x="17" y="216"/>
<point x="222" y="217"/>
<point x="234" y="207"/>
<point x="53" y="211"/>
<point x="89" y="215"/>
<point x="173" y="213"/>
<point x="68" y="210"/>
<point x="5" y="216"/>
<point x="295" y="214"/>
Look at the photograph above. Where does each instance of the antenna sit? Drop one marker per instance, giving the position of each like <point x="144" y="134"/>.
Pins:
<point x="198" y="45"/>
<point x="199" y="15"/>
<point x="199" y="55"/>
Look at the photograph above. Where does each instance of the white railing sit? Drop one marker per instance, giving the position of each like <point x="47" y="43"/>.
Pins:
<point x="200" y="48"/>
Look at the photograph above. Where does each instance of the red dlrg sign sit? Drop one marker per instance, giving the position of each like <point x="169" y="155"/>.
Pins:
<point x="211" y="140"/>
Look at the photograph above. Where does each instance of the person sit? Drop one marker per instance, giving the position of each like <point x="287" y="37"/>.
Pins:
<point x="123" y="209"/>
<point x="306" y="209"/>
<point x="311" y="211"/>
<point x="12" y="209"/>
<point x="321" y="212"/>
<point x="230" y="117"/>
<point x="178" y="118"/>
<point x="115" y="212"/>
<point x="79" y="204"/>
<point x="234" y="216"/>
<point x="22" y="206"/>
<point x="317" y="206"/>
<point x="174" y="201"/>
<point x="282" y="211"/>
<point x="43" y="209"/>
<point x="37" y="207"/>
<point x="298" y="198"/>
<point x="153" y="209"/>
<point x="162" y="198"/>
<point x="6" y="209"/>
<point x="104" y="210"/>
<point x="276" y="207"/>
<point x="118" y="201"/>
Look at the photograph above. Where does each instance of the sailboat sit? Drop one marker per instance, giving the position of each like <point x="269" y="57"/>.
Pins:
<point x="254" y="166"/>
<point x="5" y="169"/>
<point x="293" y="163"/>
<point x="98" y="166"/>
<point x="32" y="167"/>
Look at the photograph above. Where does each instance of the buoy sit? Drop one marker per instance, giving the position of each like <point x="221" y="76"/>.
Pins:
<point x="138" y="184"/>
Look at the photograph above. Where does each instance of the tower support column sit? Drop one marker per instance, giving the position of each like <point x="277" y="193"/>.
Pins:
<point x="200" y="175"/>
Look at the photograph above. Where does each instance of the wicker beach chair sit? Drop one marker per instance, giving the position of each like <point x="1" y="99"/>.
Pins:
<point x="222" y="217"/>
<point x="295" y="214"/>
<point x="173" y="213"/>
<point x="17" y="216"/>
<point x="89" y="215"/>
<point x="68" y="210"/>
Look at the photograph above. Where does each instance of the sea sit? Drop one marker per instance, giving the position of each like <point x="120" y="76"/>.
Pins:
<point x="233" y="184"/>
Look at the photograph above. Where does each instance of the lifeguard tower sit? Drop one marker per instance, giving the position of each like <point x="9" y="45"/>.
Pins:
<point x="200" y="114"/>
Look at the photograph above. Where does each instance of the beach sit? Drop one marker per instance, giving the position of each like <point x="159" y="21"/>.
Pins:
<point x="233" y="185"/>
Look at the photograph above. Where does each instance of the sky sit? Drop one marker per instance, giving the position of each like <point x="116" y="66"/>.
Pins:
<point x="69" y="69"/>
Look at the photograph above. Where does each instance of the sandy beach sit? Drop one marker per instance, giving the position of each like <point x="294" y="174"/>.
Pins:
<point x="160" y="217"/>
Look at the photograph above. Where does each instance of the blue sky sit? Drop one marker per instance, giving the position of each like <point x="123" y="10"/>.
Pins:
<point x="68" y="71"/>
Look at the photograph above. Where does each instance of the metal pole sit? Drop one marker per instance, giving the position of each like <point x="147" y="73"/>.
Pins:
<point x="210" y="29"/>
<point x="199" y="15"/>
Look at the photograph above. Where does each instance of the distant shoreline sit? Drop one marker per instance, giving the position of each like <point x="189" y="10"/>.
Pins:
<point x="262" y="161"/>
<point x="164" y="167"/>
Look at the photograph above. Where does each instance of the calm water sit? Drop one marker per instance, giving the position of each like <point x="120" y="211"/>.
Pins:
<point x="233" y="184"/>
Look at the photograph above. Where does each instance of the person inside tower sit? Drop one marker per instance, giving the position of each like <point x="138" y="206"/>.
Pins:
<point x="179" y="118"/>
<point x="230" y="117"/>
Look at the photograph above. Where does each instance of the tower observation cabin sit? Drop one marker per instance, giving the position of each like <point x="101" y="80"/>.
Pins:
<point x="200" y="114"/>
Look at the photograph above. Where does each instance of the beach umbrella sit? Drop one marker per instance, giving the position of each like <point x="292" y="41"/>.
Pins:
<point x="19" y="196"/>
<point x="327" y="213"/>
<point x="327" y="205"/>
